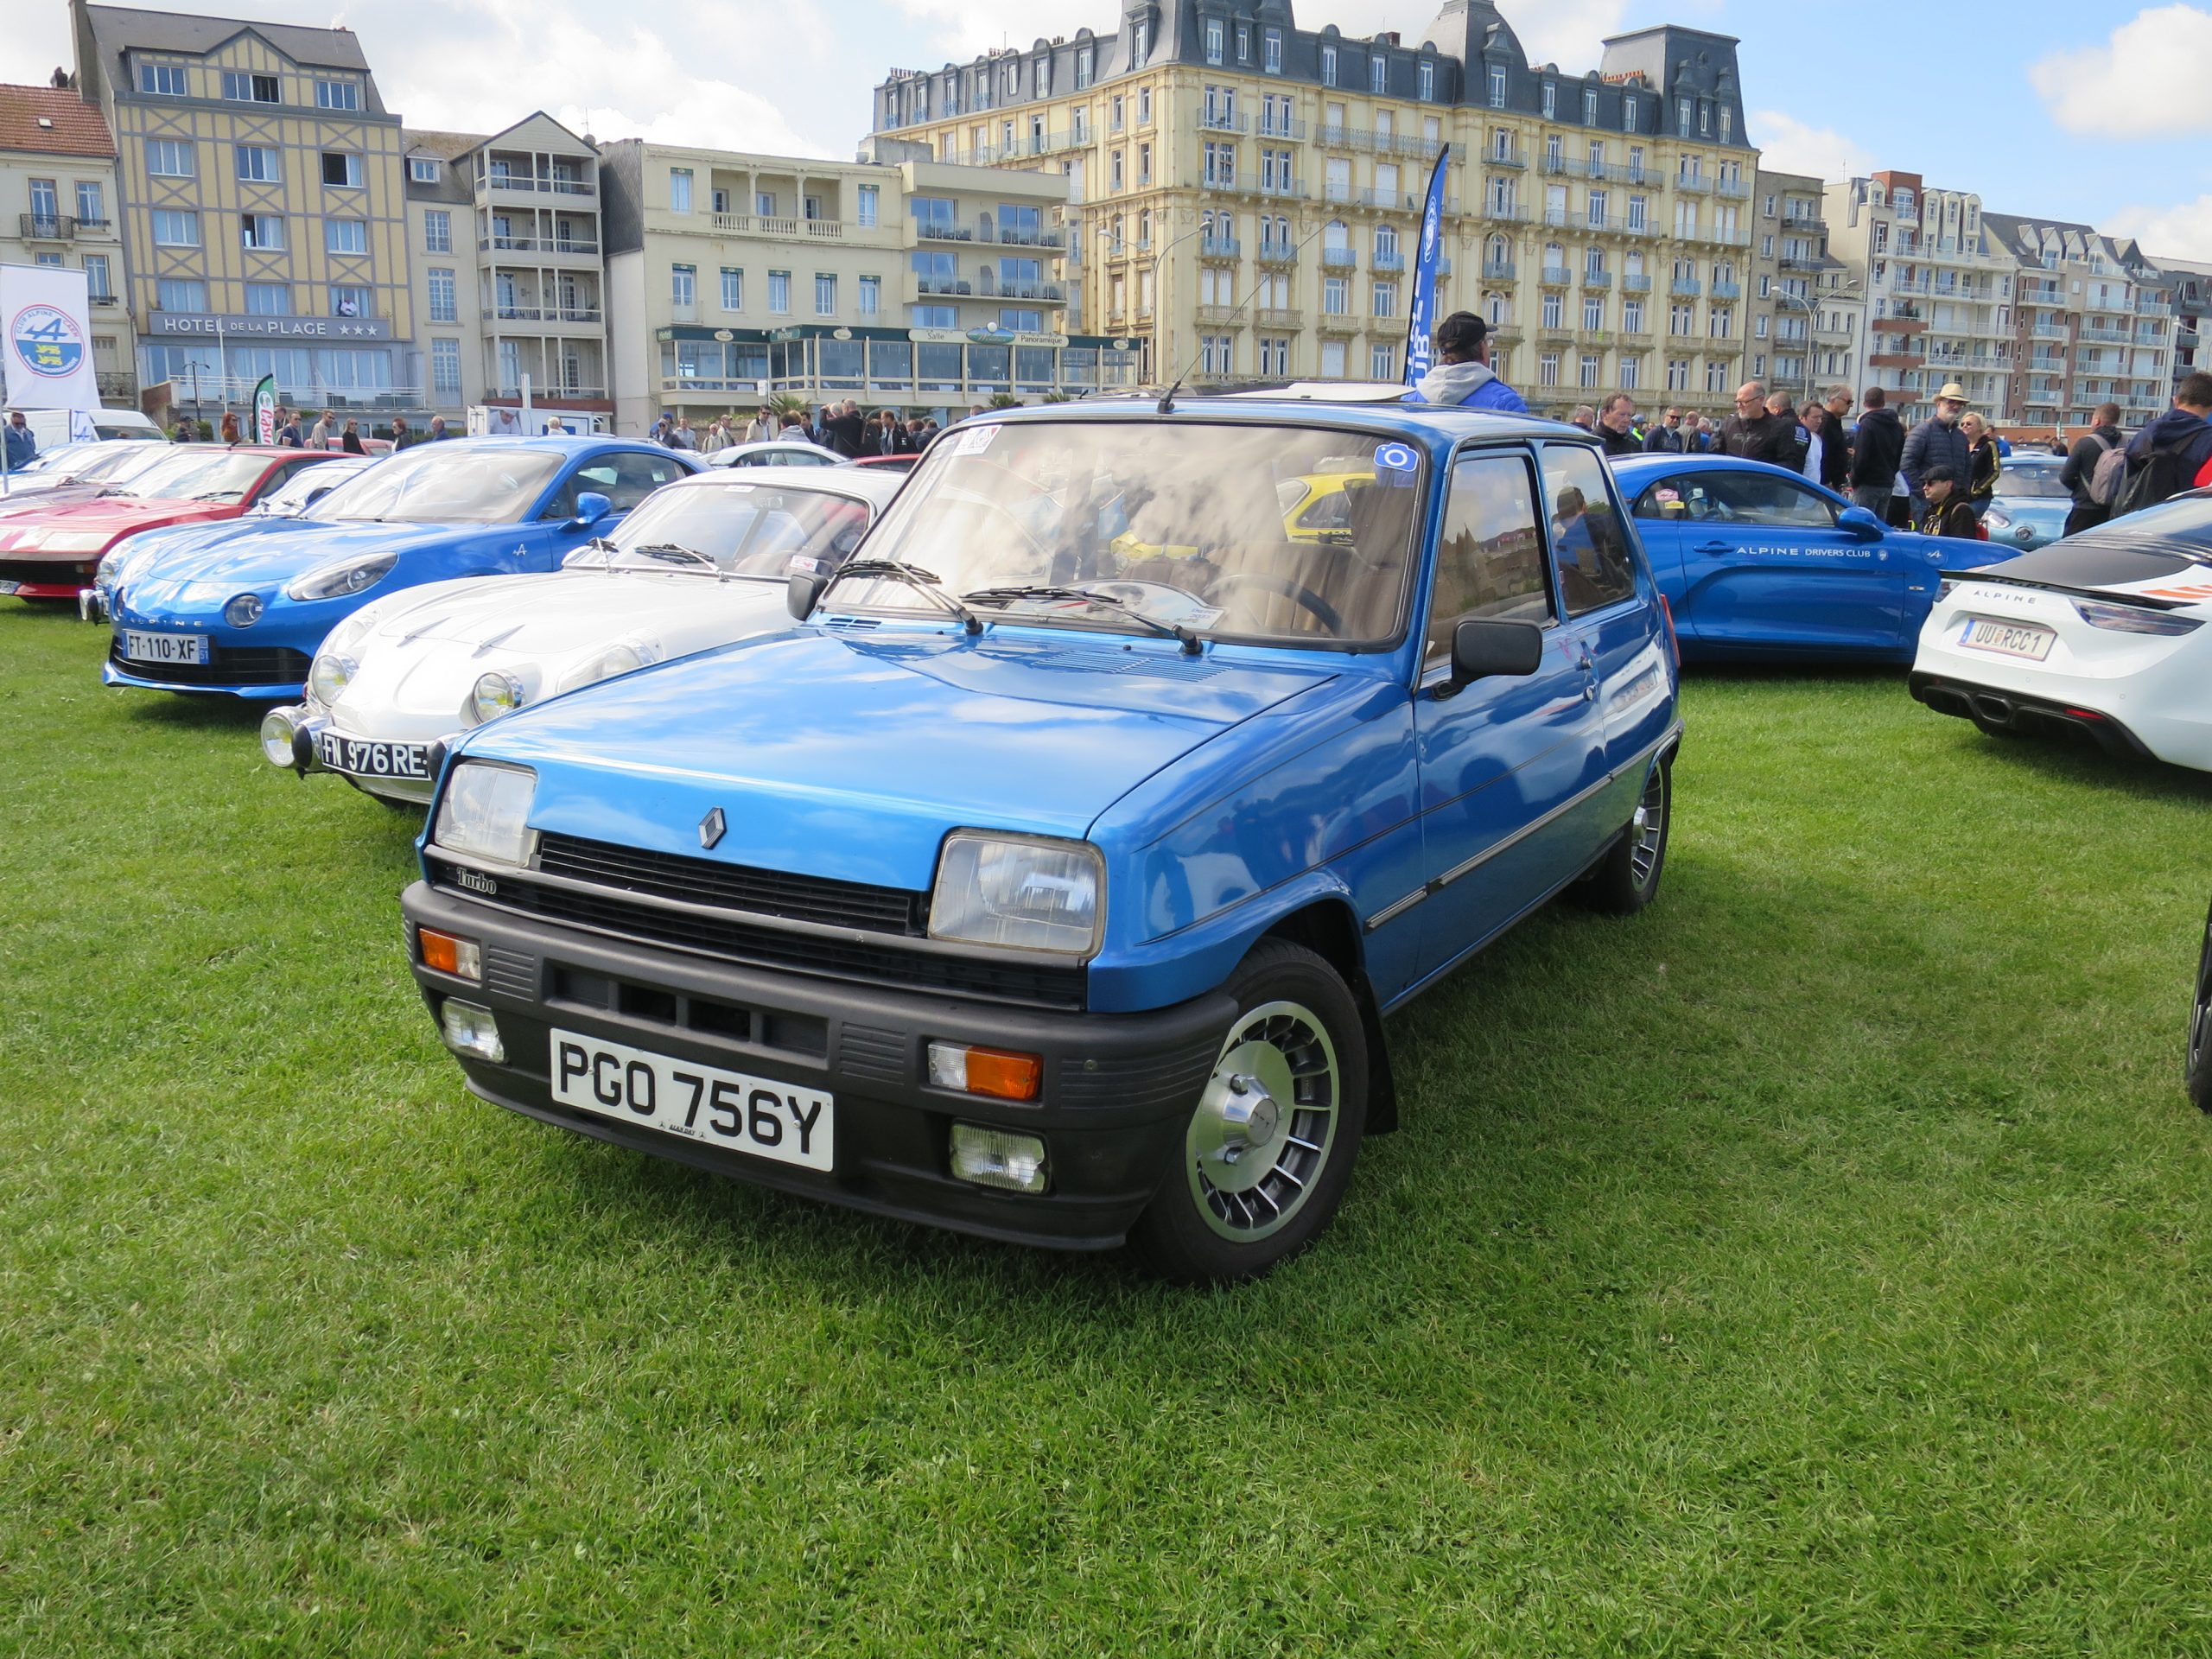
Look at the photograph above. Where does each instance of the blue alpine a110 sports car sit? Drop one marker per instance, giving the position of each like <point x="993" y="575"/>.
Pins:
<point x="1759" y="562"/>
<point x="242" y="614"/>
<point x="1048" y="878"/>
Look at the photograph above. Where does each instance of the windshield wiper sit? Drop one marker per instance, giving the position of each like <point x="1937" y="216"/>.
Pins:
<point x="1175" y="631"/>
<point x="668" y="553"/>
<point x="914" y="576"/>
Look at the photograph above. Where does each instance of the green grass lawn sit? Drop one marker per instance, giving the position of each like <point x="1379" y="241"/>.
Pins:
<point x="1818" y="1264"/>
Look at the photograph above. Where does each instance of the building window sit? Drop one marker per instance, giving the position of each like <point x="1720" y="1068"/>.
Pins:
<point x="349" y="302"/>
<point x="779" y="292"/>
<point x="264" y="231"/>
<point x="338" y="95"/>
<point x="933" y="316"/>
<point x="1328" y="66"/>
<point x="424" y="169"/>
<point x="1716" y="376"/>
<point x="443" y="305"/>
<point x="241" y="87"/>
<point x="180" y="294"/>
<point x="1591" y="363"/>
<point x="825" y="294"/>
<point x="871" y="296"/>
<point x="1271" y="45"/>
<point x="1425" y="81"/>
<point x="1336" y="297"/>
<point x="1681" y="117"/>
<point x="1497" y="89"/>
<point x="679" y="189"/>
<point x="96" y="284"/>
<point x="1548" y="369"/>
<point x="1383" y="362"/>
<point x="1115" y="165"/>
<point x="170" y="158"/>
<point x="684" y="285"/>
<point x="868" y="199"/>
<point x="1386" y="299"/>
<point x="1213" y="40"/>
<point x="1632" y="372"/>
<point x="91" y="209"/>
<point x="270" y="299"/>
<point x="1593" y="312"/>
<point x="445" y="367"/>
<point x="437" y="229"/>
<point x="341" y="169"/>
<point x="345" y="236"/>
<point x="1555" y="315"/>
<point x="1144" y="107"/>
<point x="161" y="80"/>
<point x="1378" y="75"/>
<point x="1630" y="119"/>
<point x="260" y="164"/>
<point x="1589" y="109"/>
<point x="1221" y="165"/>
<point x="1082" y="62"/>
<point x="733" y="288"/>
<point x="1244" y="43"/>
<point x="1678" y="374"/>
<point x="175" y="227"/>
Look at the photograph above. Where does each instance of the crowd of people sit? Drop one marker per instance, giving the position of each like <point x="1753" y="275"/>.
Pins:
<point x="1939" y="477"/>
<point x="839" y="427"/>
<point x="296" y="431"/>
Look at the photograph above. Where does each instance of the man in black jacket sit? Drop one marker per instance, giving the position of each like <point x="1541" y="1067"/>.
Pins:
<point x="1615" y="424"/>
<point x="2082" y="467"/>
<point x="1937" y="442"/>
<point x="1755" y="434"/>
<point x="1665" y="436"/>
<point x="1875" y="454"/>
<point x="1945" y="511"/>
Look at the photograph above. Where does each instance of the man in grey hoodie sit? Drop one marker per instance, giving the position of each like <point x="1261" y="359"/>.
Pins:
<point x="1462" y="374"/>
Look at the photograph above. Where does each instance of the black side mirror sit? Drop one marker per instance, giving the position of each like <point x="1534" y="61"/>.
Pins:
<point x="1482" y="648"/>
<point x="803" y="591"/>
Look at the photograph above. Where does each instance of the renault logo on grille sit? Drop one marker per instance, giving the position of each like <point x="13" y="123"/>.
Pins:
<point x="711" y="828"/>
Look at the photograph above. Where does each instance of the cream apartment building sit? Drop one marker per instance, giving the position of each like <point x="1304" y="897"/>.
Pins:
<point x="1807" y="314"/>
<point x="2093" y="323"/>
<point x="57" y="207"/>
<point x="1247" y="192"/>
<point x="903" y="283"/>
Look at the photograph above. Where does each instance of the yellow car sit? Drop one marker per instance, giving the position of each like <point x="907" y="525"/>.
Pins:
<point x="1316" y="507"/>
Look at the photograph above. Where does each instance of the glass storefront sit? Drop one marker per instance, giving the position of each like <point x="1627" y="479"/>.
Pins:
<point x="884" y="366"/>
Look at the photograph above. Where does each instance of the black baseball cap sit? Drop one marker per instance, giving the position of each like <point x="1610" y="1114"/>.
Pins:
<point x="1460" y="334"/>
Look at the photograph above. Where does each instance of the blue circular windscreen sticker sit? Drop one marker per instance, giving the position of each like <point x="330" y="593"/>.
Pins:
<point x="1396" y="464"/>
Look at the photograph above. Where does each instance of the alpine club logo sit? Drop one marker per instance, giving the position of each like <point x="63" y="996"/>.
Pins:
<point x="48" y="341"/>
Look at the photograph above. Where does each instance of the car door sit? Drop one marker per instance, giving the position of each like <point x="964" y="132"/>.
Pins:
<point x="1503" y="760"/>
<point x="625" y="477"/>
<point x="1661" y="521"/>
<point x="1767" y="567"/>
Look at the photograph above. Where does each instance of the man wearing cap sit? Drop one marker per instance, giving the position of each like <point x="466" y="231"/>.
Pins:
<point x="1462" y="373"/>
<point x="1947" y="511"/>
<point x="1937" y="442"/>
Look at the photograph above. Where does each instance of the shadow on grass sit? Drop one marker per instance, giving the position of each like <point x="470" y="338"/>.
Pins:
<point x="185" y="711"/>
<point x="2079" y="761"/>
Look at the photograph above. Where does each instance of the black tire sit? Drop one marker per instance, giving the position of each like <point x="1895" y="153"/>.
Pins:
<point x="1627" y="878"/>
<point x="2197" y="1071"/>
<point x="1195" y="1232"/>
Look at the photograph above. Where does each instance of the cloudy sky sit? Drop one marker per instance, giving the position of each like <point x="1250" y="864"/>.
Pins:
<point x="2041" y="107"/>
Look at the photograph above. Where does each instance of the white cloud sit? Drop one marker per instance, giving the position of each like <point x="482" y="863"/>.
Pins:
<point x="2182" y="231"/>
<point x="2155" y="66"/>
<point x="1787" y="145"/>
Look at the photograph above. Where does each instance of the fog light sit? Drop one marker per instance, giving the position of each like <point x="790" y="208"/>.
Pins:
<point x="991" y="1071"/>
<point x="244" y="611"/>
<point x="276" y="729"/>
<point x="471" y="1030"/>
<point x="994" y="1158"/>
<point x="447" y="955"/>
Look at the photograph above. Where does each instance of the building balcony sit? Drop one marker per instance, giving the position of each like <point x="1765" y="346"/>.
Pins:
<point x="1498" y="270"/>
<point x="490" y="186"/>
<point x="1277" y="316"/>
<point x="1278" y="253"/>
<point x="1635" y="339"/>
<point x="1223" y="121"/>
<point x="926" y="232"/>
<point x="49" y="228"/>
<point x="2153" y="309"/>
<point x="2105" y="332"/>
<point x="781" y="228"/>
<point x="583" y="314"/>
<point x="1220" y="316"/>
<point x="1898" y="359"/>
<point x="1388" y="261"/>
<point x="1686" y="288"/>
<point x="1283" y="126"/>
<point x="1727" y="291"/>
<point x="1509" y="156"/>
<point x="1803" y="222"/>
<point x="1557" y="277"/>
<point x="1338" y="322"/>
<point x="582" y="248"/>
<point x="1340" y="259"/>
<point x="1555" y="333"/>
<point x="118" y="385"/>
<point x="2047" y="331"/>
<point x="1737" y="191"/>
<point x="1220" y="247"/>
<point x="922" y="287"/>
<point x="1598" y="279"/>
<point x="1790" y="261"/>
<point x="1695" y="186"/>
<point x="1049" y="293"/>
<point x="1636" y="283"/>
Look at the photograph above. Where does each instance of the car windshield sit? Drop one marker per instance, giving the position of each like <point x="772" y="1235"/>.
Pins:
<point x="303" y="494"/>
<point x="736" y="529"/>
<point x="69" y="458"/>
<point x="444" y="483"/>
<point x="2032" y="482"/>
<point x="197" y="476"/>
<point x="1137" y="526"/>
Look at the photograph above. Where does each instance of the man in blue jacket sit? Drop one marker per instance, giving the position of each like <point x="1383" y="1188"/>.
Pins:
<point x="22" y="446"/>
<point x="1462" y="374"/>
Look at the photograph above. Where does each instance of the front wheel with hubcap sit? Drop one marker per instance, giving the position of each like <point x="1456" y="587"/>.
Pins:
<point x="2199" y="1071"/>
<point x="1269" y="1146"/>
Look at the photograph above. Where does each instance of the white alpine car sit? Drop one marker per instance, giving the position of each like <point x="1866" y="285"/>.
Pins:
<point x="701" y="561"/>
<point x="2103" y="634"/>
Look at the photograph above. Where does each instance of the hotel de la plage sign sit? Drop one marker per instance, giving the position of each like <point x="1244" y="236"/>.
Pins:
<point x="207" y="325"/>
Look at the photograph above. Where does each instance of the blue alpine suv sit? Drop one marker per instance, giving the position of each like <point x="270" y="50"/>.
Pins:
<point x="1050" y="877"/>
<point x="242" y="610"/>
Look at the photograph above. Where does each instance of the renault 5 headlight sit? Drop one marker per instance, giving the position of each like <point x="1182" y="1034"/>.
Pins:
<point x="1023" y="892"/>
<point x="485" y="812"/>
<point x="347" y="577"/>
<point x="615" y="660"/>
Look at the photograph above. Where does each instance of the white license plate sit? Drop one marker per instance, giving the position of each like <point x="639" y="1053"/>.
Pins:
<point x="756" y="1115"/>
<point x="359" y="756"/>
<point x="141" y="647"/>
<point x="2007" y="639"/>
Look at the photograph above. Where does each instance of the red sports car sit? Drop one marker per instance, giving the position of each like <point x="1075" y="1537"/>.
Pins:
<point x="51" y="552"/>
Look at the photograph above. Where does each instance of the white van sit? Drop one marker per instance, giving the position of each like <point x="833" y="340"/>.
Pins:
<point x="51" y="426"/>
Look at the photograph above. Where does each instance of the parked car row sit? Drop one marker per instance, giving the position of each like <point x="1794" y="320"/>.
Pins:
<point x="1031" y="847"/>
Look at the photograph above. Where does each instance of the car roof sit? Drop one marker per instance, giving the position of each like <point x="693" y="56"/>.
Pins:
<point x="872" y="485"/>
<point x="1437" y="425"/>
<point x="1628" y="467"/>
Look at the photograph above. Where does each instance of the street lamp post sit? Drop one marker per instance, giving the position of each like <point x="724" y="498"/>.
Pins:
<point x="1806" y="306"/>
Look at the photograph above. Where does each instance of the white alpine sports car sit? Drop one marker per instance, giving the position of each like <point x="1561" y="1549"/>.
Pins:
<point x="703" y="561"/>
<point x="2103" y="634"/>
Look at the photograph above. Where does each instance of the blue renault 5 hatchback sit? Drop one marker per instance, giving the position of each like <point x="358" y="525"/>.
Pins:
<point x="1050" y="877"/>
<point x="242" y="614"/>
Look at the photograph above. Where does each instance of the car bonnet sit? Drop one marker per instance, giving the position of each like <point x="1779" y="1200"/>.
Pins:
<point x="553" y="614"/>
<point x="851" y="758"/>
<point x="263" y="552"/>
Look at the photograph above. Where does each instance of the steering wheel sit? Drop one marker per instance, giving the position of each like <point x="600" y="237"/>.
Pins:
<point x="1297" y="592"/>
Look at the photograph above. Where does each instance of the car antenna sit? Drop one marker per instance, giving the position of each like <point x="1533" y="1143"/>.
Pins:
<point x="1167" y="404"/>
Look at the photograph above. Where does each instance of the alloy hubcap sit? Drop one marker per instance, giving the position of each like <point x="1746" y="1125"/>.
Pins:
<point x="1647" y="830"/>
<point x="1265" y="1122"/>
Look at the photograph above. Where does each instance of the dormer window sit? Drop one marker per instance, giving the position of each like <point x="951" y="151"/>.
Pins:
<point x="1497" y="89"/>
<point x="1378" y="74"/>
<point x="1328" y="66"/>
<point x="1590" y="109"/>
<point x="1271" y="43"/>
<point x="1213" y="40"/>
<point x="1426" y="82"/>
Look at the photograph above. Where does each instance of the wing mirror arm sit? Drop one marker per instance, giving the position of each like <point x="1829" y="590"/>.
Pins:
<point x="1484" y="648"/>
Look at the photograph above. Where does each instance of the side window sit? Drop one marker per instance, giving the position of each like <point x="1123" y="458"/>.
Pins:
<point x="638" y="475"/>
<point x="1490" y="559"/>
<point x="1589" y="542"/>
<point x="1750" y="497"/>
<point x="1672" y="500"/>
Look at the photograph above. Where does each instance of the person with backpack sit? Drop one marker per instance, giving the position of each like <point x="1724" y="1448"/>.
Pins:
<point x="2085" y="471"/>
<point x="2173" y="454"/>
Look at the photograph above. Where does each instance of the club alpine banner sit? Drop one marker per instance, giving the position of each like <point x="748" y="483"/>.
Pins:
<point x="1421" y="314"/>
<point x="45" y="353"/>
<point x="265" y="410"/>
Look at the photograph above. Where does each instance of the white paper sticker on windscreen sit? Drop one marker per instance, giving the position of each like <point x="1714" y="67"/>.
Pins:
<point x="975" y="440"/>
